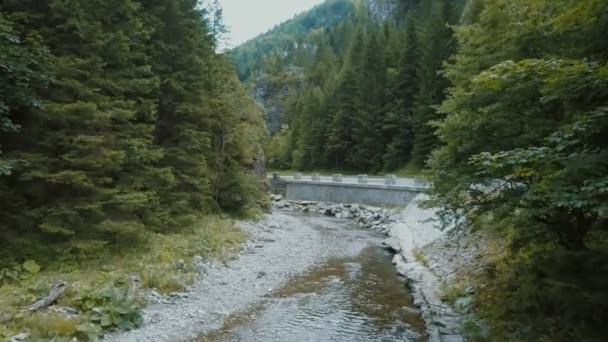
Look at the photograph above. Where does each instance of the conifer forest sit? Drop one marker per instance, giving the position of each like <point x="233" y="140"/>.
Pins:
<point x="130" y="137"/>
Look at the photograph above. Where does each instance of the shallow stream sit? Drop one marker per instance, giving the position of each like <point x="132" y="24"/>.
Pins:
<point x="345" y="299"/>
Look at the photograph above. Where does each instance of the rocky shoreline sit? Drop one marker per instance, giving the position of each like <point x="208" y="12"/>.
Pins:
<point x="282" y="246"/>
<point x="412" y="234"/>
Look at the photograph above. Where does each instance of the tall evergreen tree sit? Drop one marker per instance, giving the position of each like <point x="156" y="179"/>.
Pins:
<point x="398" y="123"/>
<point x="437" y="45"/>
<point x="347" y="106"/>
<point x="369" y="142"/>
<point x="136" y="131"/>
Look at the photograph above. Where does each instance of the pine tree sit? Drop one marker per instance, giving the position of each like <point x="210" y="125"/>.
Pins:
<point x="369" y="141"/>
<point x="138" y="130"/>
<point x="24" y="74"/>
<point x="95" y="131"/>
<point x="437" y="45"/>
<point x="347" y="106"/>
<point x="398" y="123"/>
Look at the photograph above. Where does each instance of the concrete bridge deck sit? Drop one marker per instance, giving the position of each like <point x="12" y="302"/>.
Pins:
<point x="371" y="181"/>
<point x="389" y="190"/>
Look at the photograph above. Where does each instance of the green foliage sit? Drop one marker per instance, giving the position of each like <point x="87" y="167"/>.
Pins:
<point x="109" y="307"/>
<point x="450" y="294"/>
<point x="143" y="127"/>
<point x="523" y="153"/>
<point x="31" y="266"/>
<point x="44" y="326"/>
<point x="120" y="126"/>
<point x="23" y="70"/>
<point x="288" y="43"/>
<point x="421" y="258"/>
<point x="100" y="286"/>
<point x="437" y="45"/>
<point x="370" y="88"/>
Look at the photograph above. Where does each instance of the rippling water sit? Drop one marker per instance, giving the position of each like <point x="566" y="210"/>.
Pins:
<point x="358" y="299"/>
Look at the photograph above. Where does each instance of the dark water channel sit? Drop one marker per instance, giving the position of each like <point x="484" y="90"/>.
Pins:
<point x="353" y="299"/>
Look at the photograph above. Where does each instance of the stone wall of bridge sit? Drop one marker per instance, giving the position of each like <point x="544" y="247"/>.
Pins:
<point x="387" y="191"/>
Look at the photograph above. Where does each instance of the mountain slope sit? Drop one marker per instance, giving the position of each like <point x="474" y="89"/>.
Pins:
<point x="289" y="38"/>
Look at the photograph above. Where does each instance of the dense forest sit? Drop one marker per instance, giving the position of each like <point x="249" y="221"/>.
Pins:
<point x="369" y="87"/>
<point x="119" y="122"/>
<point x="117" y="117"/>
<point x="503" y="103"/>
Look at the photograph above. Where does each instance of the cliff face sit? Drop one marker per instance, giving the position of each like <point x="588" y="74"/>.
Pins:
<point x="271" y="97"/>
<point x="382" y="9"/>
<point x="271" y="92"/>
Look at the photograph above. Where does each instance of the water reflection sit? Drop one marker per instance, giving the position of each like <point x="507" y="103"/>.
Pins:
<point x="357" y="299"/>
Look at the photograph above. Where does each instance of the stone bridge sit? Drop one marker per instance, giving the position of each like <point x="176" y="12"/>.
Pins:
<point x="383" y="191"/>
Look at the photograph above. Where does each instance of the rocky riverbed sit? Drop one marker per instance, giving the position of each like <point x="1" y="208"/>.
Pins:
<point x="427" y="256"/>
<point x="282" y="246"/>
<point x="296" y="238"/>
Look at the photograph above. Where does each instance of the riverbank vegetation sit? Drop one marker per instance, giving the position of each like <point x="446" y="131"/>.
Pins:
<point x="523" y="151"/>
<point x="122" y="131"/>
<point x="505" y="105"/>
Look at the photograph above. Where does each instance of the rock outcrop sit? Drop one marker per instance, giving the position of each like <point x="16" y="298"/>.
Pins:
<point x="382" y="10"/>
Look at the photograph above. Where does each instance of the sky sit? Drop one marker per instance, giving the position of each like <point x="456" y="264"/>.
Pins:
<point x="248" y="18"/>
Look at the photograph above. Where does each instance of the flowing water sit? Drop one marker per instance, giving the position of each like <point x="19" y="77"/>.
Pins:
<point x="353" y="299"/>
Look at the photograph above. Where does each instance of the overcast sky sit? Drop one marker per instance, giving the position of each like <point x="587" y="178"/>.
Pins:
<point x="248" y="18"/>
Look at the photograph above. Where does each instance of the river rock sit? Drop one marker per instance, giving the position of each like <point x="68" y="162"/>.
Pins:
<point x="197" y="260"/>
<point x="452" y="338"/>
<point x="20" y="337"/>
<point x="346" y="215"/>
<point x="392" y="243"/>
<point x="67" y="312"/>
<point x="463" y="303"/>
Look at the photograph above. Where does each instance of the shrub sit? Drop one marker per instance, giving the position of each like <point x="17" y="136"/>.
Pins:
<point x="43" y="325"/>
<point x="109" y="307"/>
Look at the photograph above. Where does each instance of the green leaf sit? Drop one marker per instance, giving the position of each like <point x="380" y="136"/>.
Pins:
<point x="106" y="321"/>
<point x="31" y="266"/>
<point x="89" y="304"/>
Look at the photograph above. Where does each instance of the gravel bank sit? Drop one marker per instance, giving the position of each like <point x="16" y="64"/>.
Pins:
<point x="282" y="245"/>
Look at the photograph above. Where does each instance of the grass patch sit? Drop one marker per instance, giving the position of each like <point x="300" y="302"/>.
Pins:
<point x="410" y="170"/>
<point x="100" y="285"/>
<point x="451" y="293"/>
<point x="50" y="325"/>
<point x="421" y="258"/>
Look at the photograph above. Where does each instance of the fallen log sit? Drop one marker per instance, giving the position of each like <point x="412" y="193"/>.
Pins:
<point x="54" y="294"/>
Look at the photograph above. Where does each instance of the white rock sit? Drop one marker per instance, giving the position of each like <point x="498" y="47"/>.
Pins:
<point x="392" y="243"/>
<point x="20" y="338"/>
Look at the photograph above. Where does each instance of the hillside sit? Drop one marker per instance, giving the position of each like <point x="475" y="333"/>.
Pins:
<point x="290" y="40"/>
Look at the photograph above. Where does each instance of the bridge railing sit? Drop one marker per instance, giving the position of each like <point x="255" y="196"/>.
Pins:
<point x="362" y="179"/>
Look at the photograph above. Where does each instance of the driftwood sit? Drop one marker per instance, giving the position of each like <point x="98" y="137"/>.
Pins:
<point x="54" y="294"/>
